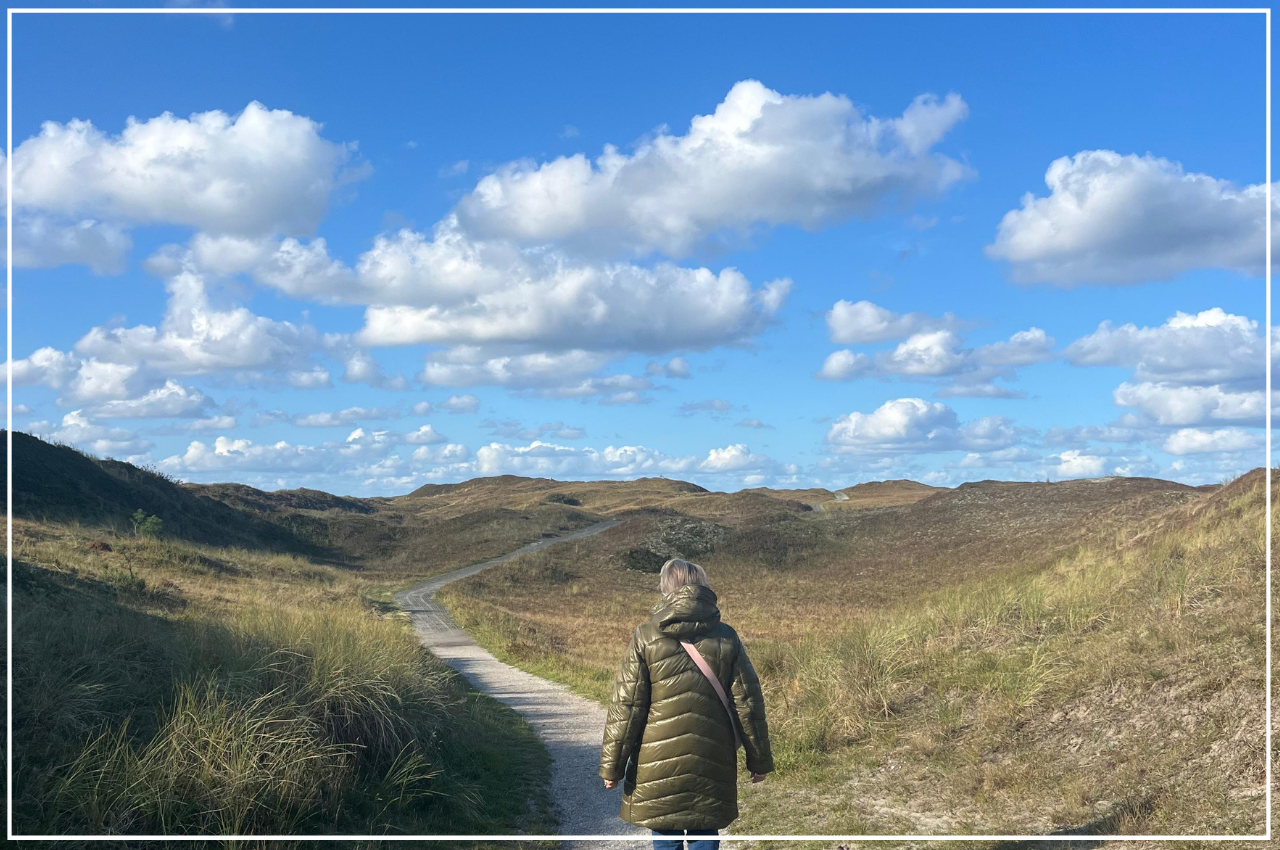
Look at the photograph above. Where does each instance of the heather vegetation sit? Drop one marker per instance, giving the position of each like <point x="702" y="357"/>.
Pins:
<point x="166" y="685"/>
<point x="1000" y="657"/>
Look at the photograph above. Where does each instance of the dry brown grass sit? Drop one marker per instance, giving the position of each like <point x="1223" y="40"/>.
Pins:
<point x="785" y="572"/>
<point x="1002" y="657"/>
<point x="1012" y="657"/>
<point x="167" y="687"/>
<point x="881" y="494"/>
<point x="410" y="536"/>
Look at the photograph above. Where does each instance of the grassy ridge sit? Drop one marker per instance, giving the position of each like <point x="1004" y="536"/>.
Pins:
<point x="1000" y="657"/>
<point x="162" y="686"/>
<point x="61" y="484"/>
<point x="389" y="539"/>
<point x="1118" y="687"/>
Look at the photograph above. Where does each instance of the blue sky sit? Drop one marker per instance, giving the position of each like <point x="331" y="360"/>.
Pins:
<point x="367" y="252"/>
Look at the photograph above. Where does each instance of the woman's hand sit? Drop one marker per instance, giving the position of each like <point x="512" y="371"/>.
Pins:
<point x="610" y="784"/>
<point x="757" y="778"/>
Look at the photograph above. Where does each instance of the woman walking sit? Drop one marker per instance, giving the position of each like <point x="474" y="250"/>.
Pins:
<point x="684" y="699"/>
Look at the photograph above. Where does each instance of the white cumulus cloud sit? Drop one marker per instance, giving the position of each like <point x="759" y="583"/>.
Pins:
<point x="78" y="430"/>
<point x="259" y="172"/>
<point x="916" y="425"/>
<point x="1209" y="347"/>
<point x="41" y="241"/>
<point x="676" y="367"/>
<point x="47" y="366"/>
<point x="466" y="403"/>
<point x="197" y="337"/>
<point x="1075" y="463"/>
<point x="1187" y="441"/>
<point x="761" y="158"/>
<point x="346" y="416"/>
<point x="553" y="460"/>
<point x="1206" y="368"/>
<point x="425" y="436"/>
<point x="933" y="350"/>
<point x="549" y="301"/>
<point x="173" y="400"/>
<point x="232" y="454"/>
<point x="1115" y="219"/>
<point x="1172" y="404"/>
<point x="315" y="378"/>
<point x="845" y="365"/>
<point x="862" y="322"/>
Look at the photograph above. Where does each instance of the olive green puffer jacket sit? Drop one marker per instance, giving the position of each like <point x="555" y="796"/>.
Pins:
<point x="668" y="734"/>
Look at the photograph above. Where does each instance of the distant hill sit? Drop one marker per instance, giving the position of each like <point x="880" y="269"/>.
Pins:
<point x="876" y="494"/>
<point x="302" y="499"/>
<point x="52" y="482"/>
<point x="407" y="534"/>
<point x="439" y="525"/>
<point x="810" y="495"/>
<point x="985" y="527"/>
<point x="1068" y="658"/>
<point x="517" y="491"/>
<point x="1009" y="506"/>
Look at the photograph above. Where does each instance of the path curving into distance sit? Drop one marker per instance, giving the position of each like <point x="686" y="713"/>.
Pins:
<point x="571" y="726"/>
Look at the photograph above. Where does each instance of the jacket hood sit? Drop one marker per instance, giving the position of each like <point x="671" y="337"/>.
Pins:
<point x="689" y="611"/>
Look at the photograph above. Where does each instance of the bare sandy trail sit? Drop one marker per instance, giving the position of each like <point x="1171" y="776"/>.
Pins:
<point x="571" y="726"/>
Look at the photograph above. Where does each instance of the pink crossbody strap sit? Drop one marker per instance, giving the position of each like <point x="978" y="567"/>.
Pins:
<point x="715" y="683"/>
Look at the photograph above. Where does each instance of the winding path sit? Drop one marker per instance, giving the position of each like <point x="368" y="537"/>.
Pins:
<point x="571" y="726"/>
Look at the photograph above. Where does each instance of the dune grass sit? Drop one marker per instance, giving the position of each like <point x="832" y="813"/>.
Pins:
<point x="162" y="687"/>
<point x="1117" y="688"/>
<point x="1004" y="657"/>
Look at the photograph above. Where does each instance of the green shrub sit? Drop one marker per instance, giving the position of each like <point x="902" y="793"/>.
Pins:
<point x="642" y="561"/>
<point x="147" y="525"/>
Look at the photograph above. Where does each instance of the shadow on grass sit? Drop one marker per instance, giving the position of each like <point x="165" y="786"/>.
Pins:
<point x="1127" y="812"/>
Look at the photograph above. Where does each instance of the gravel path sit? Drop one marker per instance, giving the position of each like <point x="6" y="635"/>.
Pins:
<point x="571" y="726"/>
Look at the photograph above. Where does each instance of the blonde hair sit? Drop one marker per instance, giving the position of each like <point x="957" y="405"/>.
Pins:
<point x="677" y="573"/>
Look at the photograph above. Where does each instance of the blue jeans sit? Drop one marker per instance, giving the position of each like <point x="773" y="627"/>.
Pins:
<point x="677" y="838"/>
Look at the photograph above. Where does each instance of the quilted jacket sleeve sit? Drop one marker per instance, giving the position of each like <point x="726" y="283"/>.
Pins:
<point x="628" y="712"/>
<point x="749" y="702"/>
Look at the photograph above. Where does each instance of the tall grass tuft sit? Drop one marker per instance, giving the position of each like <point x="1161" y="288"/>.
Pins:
<point x="838" y="689"/>
<point x="300" y="711"/>
<point x="362" y="679"/>
<point x="217" y="765"/>
<point x="998" y="647"/>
